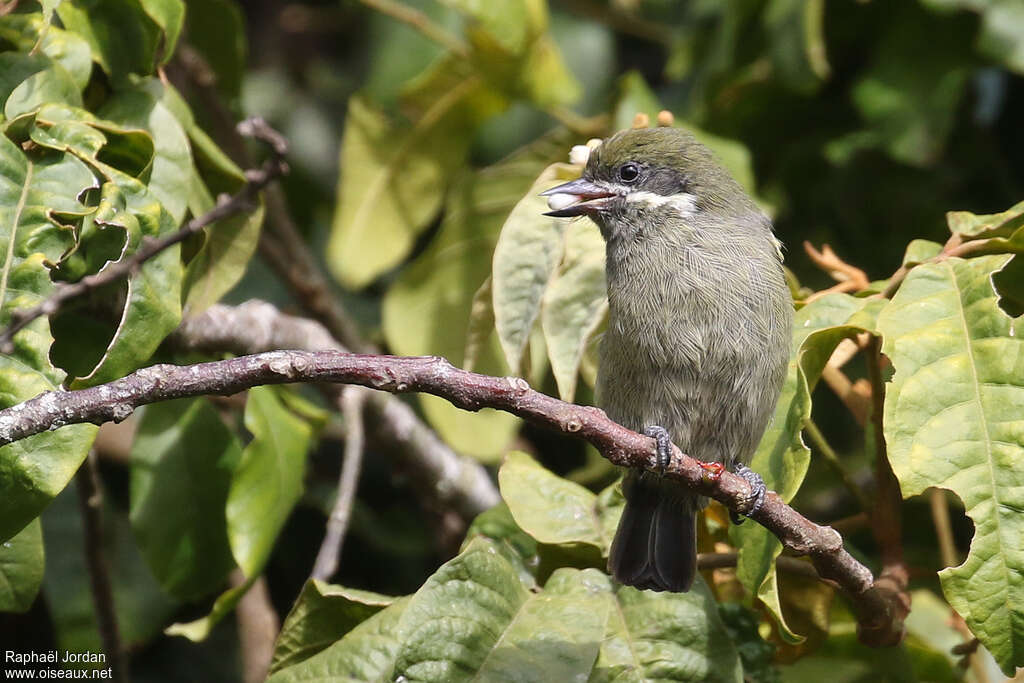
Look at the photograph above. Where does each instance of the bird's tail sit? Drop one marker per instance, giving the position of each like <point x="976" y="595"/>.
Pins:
<point x="655" y="546"/>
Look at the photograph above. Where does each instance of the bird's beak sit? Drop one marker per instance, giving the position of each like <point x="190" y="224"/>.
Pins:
<point x="576" y="198"/>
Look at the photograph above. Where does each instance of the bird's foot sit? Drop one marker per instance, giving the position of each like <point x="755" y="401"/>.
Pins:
<point x="757" y="493"/>
<point x="664" y="449"/>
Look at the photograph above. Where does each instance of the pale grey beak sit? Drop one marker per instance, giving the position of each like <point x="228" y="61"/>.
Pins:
<point x="585" y="196"/>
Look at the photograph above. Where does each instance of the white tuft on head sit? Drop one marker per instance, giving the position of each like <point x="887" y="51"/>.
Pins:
<point x="579" y="154"/>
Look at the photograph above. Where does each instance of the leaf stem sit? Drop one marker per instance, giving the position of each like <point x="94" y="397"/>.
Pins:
<point x="421" y="22"/>
<point x="832" y="460"/>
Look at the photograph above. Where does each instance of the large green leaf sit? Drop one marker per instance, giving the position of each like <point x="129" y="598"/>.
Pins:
<point x="143" y="107"/>
<point x="393" y="179"/>
<point x="575" y="304"/>
<point x="426" y="310"/>
<point x="34" y="470"/>
<point x="24" y="31"/>
<point x="366" y="653"/>
<point x="152" y="306"/>
<point x="953" y="420"/>
<point x="183" y="451"/>
<point x="268" y="480"/>
<point x="322" y="615"/>
<point x="782" y="458"/>
<point x="21" y="568"/>
<point x="525" y="258"/>
<point x="665" y="637"/>
<point x="475" y="620"/>
<point x="30" y="81"/>
<point x="126" y="36"/>
<point x="549" y="508"/>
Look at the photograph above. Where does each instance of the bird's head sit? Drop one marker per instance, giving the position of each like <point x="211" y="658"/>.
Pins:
<point x="649" y="179"/>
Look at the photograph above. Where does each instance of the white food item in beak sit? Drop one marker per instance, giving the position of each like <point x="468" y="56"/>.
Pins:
<point x="557" y="202"/>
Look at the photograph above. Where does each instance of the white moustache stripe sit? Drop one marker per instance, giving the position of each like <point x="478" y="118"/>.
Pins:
<point x="684" y="202"/>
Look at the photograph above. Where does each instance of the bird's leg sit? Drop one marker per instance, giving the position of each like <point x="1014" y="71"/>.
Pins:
<point x="660" y="434"/>
<point x="757" y="493"/>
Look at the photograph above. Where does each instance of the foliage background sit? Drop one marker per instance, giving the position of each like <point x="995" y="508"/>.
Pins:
<point x="859" y="124"/>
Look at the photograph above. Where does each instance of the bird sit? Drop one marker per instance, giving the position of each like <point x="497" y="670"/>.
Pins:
<point x="699" y="330"/>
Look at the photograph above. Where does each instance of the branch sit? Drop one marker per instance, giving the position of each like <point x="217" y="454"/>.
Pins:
<point x="258" y="626"/>
<point x="337" y="524"/>
<point x="439" y="474"/>
<point x="878" y="608"/>
<point x="239" y="202"/>
<point x="90" y="498"/>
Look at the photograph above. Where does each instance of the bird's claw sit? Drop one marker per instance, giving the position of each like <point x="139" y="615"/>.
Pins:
<point x="757" y="493"/>
<point x="664" y="449"/>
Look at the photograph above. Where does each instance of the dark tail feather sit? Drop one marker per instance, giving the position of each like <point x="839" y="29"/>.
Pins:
<point x="655" y="546"/>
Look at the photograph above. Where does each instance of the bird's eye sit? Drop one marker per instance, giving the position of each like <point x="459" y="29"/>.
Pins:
<point x="628" y="173"/>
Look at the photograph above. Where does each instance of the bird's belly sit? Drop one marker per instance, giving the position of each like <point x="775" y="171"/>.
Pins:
<point x="711" y="396"/>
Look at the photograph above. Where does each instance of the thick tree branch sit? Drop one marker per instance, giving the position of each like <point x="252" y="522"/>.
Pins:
<point x="442" y="477"/>
<point x="879" y="611"/>
<point x="256" y="180"/>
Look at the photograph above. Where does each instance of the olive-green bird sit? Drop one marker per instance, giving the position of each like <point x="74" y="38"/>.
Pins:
<point x="699" y="329"/>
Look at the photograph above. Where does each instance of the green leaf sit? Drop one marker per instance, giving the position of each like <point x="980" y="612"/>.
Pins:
<point x="549" y="508"/>
<point x="21" y="568"/>
<point x="199" y="629"/>
<point x="268" y="480"/>
<point x="49" y="83"/>
<point x="322" y="615"/>
<point x="153" y="305"/>
<point x="781" y="457"/>
<point x="475" y="620"/>
<point x="222" y="260"/>
<point x="975" y="226"/>
<point x="910" y="110"/>
<point x="952" y="420"/>
<point x="919" y="251"/>
<point x="366" y="653"/>
<point x="32" y="31"/>
<point x="525" y="258"/>
<point x="143" y="106"/>
<point x="575" y="304"/>
<point x="34" y="470"/>
<point x="126" y="36"/>
<point x="392" y="182"/>
<point x="426" y="310"/>
<point x="796" y="36"/>
<point x="665" y="637"/>
<point x="183" y="451"/>
<point x="141" y="607"/>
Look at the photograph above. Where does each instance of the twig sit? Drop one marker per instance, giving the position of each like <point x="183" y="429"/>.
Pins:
<point x="258" y="625"/>
<point x="955" y="247"/>
<point x="90" y="498"/>
<point x="886" y="515"/>
<point x="784" y="563"/>
<point x="440" y="476"/>
<point x="943" y="527"/>
<point x="622" y="22"/>
<point x="421" y="22"/>
<point x="829" y="454"/>
<point x="337" y="524"/>
<point x="879" y="608"/>
<point x="241" y="201"/>
<point x="850" y="278"/>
